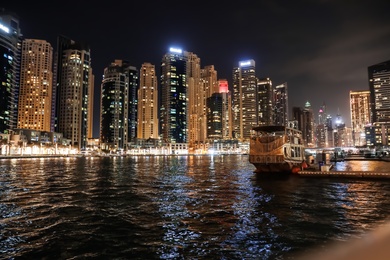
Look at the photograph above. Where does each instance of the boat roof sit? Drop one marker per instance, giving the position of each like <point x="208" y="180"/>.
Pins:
<point x="269" y="128"/>
<point x="272" y="128"/>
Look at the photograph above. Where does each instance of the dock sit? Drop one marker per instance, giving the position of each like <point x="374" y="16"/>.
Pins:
<point x="345" y="174"/>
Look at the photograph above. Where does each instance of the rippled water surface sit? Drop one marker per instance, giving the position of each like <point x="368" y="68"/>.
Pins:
<point x="177" y="207"/>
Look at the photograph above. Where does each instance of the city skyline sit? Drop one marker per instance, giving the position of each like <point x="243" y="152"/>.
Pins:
<point x="320" y="49"/>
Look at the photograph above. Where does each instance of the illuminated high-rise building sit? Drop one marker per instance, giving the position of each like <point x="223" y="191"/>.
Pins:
<point x="36" y="82"/>
<point x="10" y="45"/>
<point x="244" y="100"/>
<point x="174" y="101"/>
<point x="147" y="103"/>
<point x="280" y="103"/>
<point x="73" y="91"/>
<point x="210" y="78"/>
<point x="215" y="116"/>
<point x="118" y="123"/>
<point x="264" y="102"/>
<point x="360" y="115"/>
<point x="379" y="86"/>
<point x="322" y="115"/>
<point x="196" y="98"/>
<point x="226" y="109"/>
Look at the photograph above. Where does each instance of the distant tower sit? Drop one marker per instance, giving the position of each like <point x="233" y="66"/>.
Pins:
<point x="147" y="103"/>
<point x="210" y="78"/>
<point x="174" y="103"/>
<point x="10" y="44"/>
<point x="74" y="91"/>
<point x="244" y="99"/>
<point x="226" y="109"/>
<point x="322" y="114"/>
<point x="118" y="105"/>
<point x="196" y="98"/>
<point x="215" y="116"/>
<point x="280" y="101"/>
<point x="305" y="118"/>
<point x="36" y="83"/>
<point x="360" y="115"/>
<point x="264" y="102"/>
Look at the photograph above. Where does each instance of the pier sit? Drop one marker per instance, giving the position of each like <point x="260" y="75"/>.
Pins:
<point x="346" y="174"/>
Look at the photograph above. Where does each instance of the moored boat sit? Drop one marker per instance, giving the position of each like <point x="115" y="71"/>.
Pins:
<point x="276" y="149"/>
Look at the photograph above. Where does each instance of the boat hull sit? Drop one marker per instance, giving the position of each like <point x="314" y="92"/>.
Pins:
<point x="285" y="167"/>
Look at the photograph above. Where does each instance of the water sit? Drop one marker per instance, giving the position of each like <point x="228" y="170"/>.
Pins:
<point x="178" y="207"/>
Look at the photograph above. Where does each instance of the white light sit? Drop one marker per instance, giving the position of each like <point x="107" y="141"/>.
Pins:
<point x="245" y="63"/>
<point x="4" y="28"/>
<point x="176" y="50"/>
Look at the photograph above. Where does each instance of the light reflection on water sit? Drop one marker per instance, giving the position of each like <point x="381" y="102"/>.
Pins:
<point x="177" y="207"/>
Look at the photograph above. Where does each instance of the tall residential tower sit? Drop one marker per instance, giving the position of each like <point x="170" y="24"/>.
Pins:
<point x="174" y="100"/>
<point x="10" y="44"/>
<point x="36" y="83"/>
<point x="118" y="106"/>
<point x="74" y="88"/>
<point x="147" y="103"/>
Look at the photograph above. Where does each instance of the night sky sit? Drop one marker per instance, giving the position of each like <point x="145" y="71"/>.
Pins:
<point x="321" y="48"/>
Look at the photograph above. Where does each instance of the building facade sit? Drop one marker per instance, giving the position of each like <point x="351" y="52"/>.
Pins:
<point x="264" y="102"/>
<point x="118" y="106"/>
<point x="379" y="86"/>
<point x="174" y="101"/>
<point x="10" y="45"/>
<point x="147" y="103"/>
<point x="360" y="107"/>
<point x="280" y="104"/>
<point x="36" y="83"/>
<point x="73" y="90"/>
<point x="244" y="102"/>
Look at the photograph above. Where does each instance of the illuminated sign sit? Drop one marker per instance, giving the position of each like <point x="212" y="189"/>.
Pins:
<point x="176" y="50"/>
<point x="4" y="28"/>
<point x="246" y="63"/>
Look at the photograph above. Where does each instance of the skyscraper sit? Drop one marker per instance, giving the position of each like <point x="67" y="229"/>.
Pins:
<point x="215" y="116"/>
<point x="196" y="98"/>
<point x="174" y="100"/>
<point x="36" y="82"/>
<point x="280" y="102"/>
<point x="305" y="118"/>
<point x="244" y="99"/>
<point x="74" y="88"/>
<point x="118" y="106"/>
<point x="226" y="109"/>
<point x="147" y="103"/>
<point x="379" y="86"/>
<point x="360" y="115"/>
<point x="264" y="101"/>
<point x="10" y="44"/>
